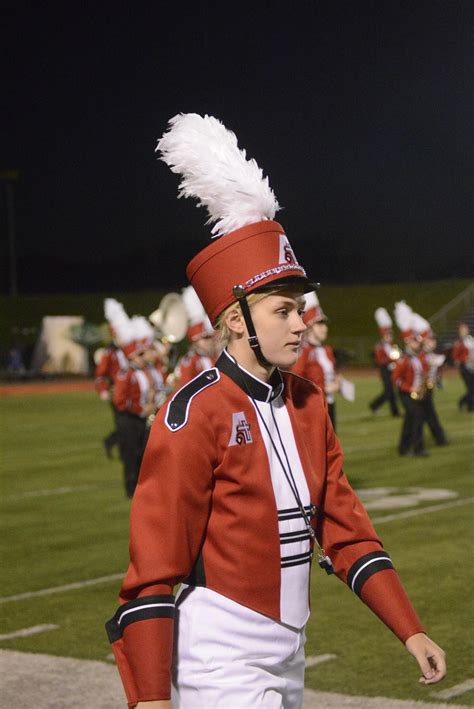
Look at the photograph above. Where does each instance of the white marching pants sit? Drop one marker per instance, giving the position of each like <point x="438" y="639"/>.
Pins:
<point x="227" y="656"/>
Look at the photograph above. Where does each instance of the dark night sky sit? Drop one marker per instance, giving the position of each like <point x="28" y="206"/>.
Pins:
<point x="359" y="113"/>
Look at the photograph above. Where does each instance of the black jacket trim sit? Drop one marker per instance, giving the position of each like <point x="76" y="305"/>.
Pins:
<point x="140" y="609"/>
<point x="178" y="408"/>
<point x="365" y="567"/>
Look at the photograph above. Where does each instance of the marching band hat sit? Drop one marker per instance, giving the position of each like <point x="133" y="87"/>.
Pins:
<point x="252" y="252"/>
<point x="199" y="324"/>
<point x="313" y="312"/>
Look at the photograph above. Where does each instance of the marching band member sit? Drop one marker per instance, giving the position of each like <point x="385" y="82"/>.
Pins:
<point x="408" y="377"/>
<point x="463" y="357"/>
<point x="386" y="353"/>
<point x="138" y="394"/>
<point x="112" y="360"/>
<point x="433" y="381"/>
<point x="242" y="477"/>
<point x="202" y="338"/>
<point x="317" y="361"/>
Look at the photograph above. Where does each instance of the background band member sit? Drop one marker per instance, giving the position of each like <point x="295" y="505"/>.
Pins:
<point x="462" y="355"/>
<point x="202" y="339"/>
<point x="242" y="477"/>
<point x="386" y="353"/>
<point x="409" y="377"/>
<point x="433" y="381"/>
<point x="317" y="361"/>
<point x="111" y="362"/>
<point x="138" y="394"/>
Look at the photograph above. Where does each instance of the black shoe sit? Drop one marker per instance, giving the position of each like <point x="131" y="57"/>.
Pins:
<point x="108" y="448"/>
<point x="407" y="454"/>
<point x="443" y="443"/>
<point x="396" y="414"/>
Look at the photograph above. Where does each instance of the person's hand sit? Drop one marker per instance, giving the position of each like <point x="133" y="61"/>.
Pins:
<point x="430" y="657"/>
<point x="155" y="704"/>
<point x="104" y="395"/>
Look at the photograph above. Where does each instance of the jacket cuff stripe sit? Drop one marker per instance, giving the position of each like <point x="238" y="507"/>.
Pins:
<point x="365" y="567"/>
<point x="140" y="609"/>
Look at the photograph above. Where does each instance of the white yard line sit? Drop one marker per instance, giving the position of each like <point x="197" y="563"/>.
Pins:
<point x="313" y="660"/>
<point x="423" y="510"/>
<point x="455" y="691"/>
<point x="61" y="589"/>
<point x="35" y="681"/>
<point x="26" y="632"/>
<point x="51" y="491"/>
<point x="115" y="577"/>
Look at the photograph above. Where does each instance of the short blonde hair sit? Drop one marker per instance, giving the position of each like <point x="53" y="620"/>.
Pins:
<point x="252" y="299"/>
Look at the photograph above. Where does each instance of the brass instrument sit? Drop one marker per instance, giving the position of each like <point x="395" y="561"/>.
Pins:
<point x="395" y="353"/>
<point x="426" y="387"/>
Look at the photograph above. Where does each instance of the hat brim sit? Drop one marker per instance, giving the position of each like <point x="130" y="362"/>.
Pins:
<point x="304" y="284"/>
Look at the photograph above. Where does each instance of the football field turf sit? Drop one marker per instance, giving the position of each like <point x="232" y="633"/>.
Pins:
<point x="65" y="522"/>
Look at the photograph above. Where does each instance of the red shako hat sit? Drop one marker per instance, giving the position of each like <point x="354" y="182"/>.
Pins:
<point x="313" y="311"/>
<point x="199" y="324"/>
<point x="252" y="250"/>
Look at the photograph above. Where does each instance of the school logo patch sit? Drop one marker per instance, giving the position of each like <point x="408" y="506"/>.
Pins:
<point x="240" y="430"/>
<point x="286" y="252"/>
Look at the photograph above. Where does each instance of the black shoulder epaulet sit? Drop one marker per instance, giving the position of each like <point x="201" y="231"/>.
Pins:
<point x="178" y="408"/>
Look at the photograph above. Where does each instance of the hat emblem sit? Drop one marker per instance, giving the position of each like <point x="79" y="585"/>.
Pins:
<point x="286" y="252"/>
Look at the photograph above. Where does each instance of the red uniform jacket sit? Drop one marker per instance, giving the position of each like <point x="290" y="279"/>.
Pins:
<point x="106" y="372"/>
<point x="410" y="372"/>
<point x="204" y="512"/>
<point x="381" y="353"/>
<point x="459" y="352"/>
<point x="308" y="366"/>
<point x="191" y="365"/>
<point x="135" y="388"/>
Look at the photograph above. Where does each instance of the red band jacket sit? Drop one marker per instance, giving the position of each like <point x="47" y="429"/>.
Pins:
<point x="136" y="388"/>
<point x="459" y="352"/>
<point x="205" y="512"/>
<point x="308" y="364"/>
<point x="111" y="363"/>
<point x="191" y="365"/>
<point x="410" y="372"/>
<point x="382" y="354"/>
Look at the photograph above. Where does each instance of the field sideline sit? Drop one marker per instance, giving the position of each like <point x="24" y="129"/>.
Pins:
<point x="65" y="520"/>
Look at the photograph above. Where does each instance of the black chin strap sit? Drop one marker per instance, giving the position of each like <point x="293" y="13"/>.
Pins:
<point x="239" y="293"/>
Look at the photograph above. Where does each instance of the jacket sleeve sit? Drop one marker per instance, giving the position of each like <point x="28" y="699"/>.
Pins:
<point x="103" y="379"/>
<point x="169" y="514"/>
<point x="348" y="537"/>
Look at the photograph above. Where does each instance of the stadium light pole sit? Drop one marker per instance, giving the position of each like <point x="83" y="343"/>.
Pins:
<point x="9" y="177"/>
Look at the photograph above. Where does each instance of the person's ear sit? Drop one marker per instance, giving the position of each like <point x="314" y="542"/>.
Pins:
<point x="235" y="321"/>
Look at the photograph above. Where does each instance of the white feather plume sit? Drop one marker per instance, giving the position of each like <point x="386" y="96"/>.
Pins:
<point x="142" y="327"/>
<point x="382" y="318"/>
<point x="419" y="324"/>
<point x="403" y="314"/>
<point x="195" y="309"/>
<point x="311" y="300"/>
<point x="216" y="172"/>
<point x="113" y="310"/>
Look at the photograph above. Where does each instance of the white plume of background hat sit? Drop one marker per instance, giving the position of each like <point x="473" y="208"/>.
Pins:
<point x="142" y="328"/>
<point x="118" y="319"/>
<point x="420" y="325"/>
<point x="216" y="172"/>
<point x="403" y="316"/>
<point x="311" y="300"/>
<point x="382" y="318"/>
<point x="195" y="310"/>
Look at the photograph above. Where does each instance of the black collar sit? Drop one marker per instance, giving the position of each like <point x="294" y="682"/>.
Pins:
<point x="247" y="382"/>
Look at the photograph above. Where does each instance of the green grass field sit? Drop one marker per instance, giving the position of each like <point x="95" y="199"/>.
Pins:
<point x="65" y="519"/>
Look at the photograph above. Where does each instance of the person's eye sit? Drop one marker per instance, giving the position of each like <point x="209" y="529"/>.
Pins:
<point x="301" y="312"/>
<point x="283" y="312"/>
